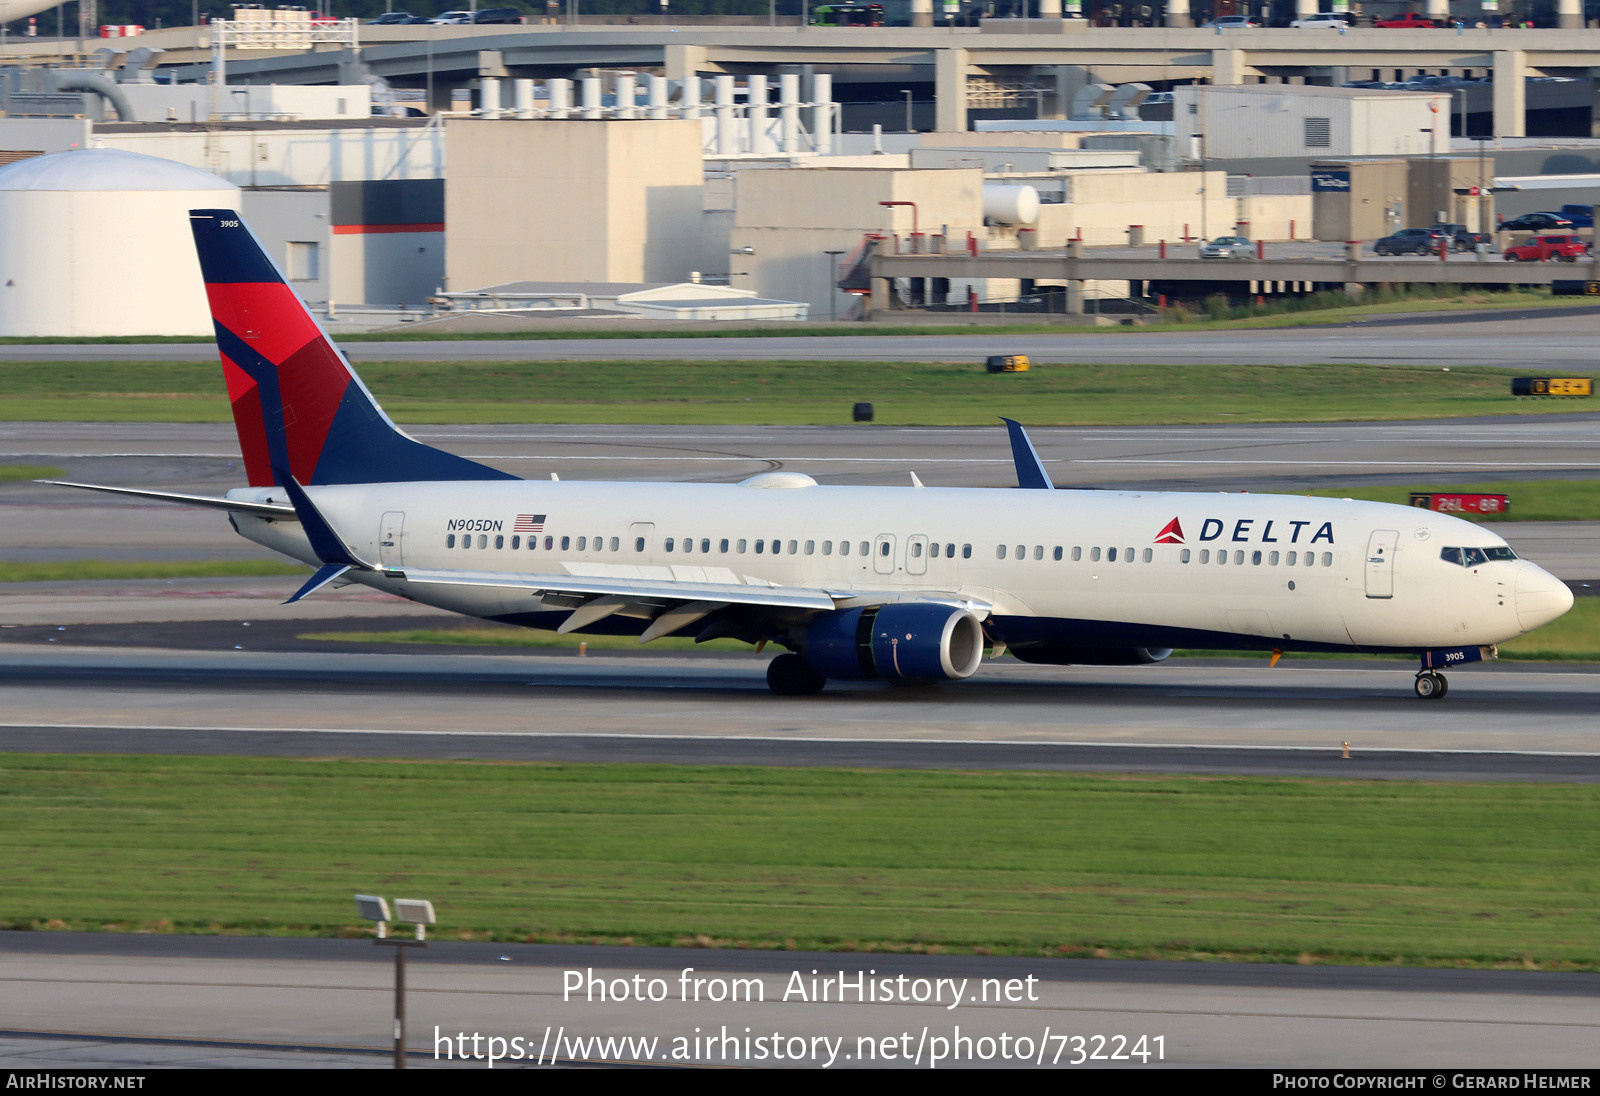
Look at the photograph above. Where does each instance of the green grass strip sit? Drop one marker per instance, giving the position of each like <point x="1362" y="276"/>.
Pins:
<point x="1025" y="863"/>
<point x="83" y="570"/>
<point x="21" y="473"/>
<point x="801" y="392"/>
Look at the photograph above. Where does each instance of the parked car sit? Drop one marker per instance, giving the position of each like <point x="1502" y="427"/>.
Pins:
<point x="1410" y="241"/>
<point x="452" y="18"/>
<point x="1232" y="22"/>
<point x="1536" y="222"/>
<point x="1228" y="247"/>
<point x="1409" y="20"/>
<point x="498" y="15"/>
<point x="1461" y="239"/>
<point x="1581" y="216"/>
<point x="1538" y="249"/>
<point x="1327" y="20"/>
<point x="391" y="19"/>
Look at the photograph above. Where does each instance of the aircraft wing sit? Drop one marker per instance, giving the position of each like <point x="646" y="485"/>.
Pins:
<point x="674" y="603"/>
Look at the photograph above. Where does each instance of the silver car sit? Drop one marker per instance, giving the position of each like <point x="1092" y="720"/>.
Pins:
<point x="1228" y="247"/>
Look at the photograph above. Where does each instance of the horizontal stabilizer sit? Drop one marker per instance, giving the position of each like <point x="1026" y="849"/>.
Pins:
<point x="264" y="509"/>
<point x="324" y="541"/>
<point x="325" y="574"/>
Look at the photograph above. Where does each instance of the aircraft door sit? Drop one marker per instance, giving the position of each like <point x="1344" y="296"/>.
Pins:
<point x="917" y="555"/>
<point x="883" y="554"/>
<point x="1380" y="563"/>
<point x="390" y="533"/>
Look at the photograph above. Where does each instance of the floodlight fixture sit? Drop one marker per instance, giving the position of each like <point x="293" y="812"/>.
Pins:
<point x="414" y="911"/>
<point x="373" y="908"/>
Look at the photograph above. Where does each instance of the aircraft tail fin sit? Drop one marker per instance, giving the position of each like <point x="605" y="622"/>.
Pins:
<point x="297" y="404"/>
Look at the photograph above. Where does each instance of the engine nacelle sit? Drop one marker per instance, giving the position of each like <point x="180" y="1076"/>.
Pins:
<point x="1071" y="654"/>
<point x="902" y="642"/>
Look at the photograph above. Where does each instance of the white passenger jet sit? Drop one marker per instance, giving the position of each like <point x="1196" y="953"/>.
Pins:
<point x="903" y="584"/>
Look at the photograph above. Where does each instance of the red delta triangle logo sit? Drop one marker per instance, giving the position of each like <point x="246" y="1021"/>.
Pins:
<point x="1171" y="533"/>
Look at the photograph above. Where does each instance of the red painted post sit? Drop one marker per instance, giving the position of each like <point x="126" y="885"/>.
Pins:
<point x="1261" y="249"/>
<point x="1161" y="301"/>
<point x="972" y="245"/>
<point x="1186" y="236"/>
<point x="972" y="299"/>
<point x="1163" y="249"/>
<point x="1444" y="251"/>
<point x="1291" y="230"/>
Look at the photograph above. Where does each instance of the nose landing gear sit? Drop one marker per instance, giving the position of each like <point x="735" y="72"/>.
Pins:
<point x="1431" y="685"/>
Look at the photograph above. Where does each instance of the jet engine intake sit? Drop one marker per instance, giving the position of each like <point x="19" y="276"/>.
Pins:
<point x="902" y="643"/>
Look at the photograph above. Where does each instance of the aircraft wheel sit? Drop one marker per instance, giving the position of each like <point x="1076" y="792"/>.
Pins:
<point x="1431" y="686"/>
<point x="791" y="675"/>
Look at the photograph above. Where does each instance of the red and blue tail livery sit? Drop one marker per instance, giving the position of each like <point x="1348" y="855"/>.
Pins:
<point x="299" y="409"/>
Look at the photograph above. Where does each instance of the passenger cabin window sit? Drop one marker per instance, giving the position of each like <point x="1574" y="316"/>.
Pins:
<point x="1149" y="554"/>
<point x="483" y="540"/>
<point x="827" y="547"/>
<point x="761" y="546"/>
<point x="916" y="550"/>
<point x="884" y="551"/>
<point x="667" y="544"/>
<point x="741" y="546"/>
<point x="705" y="544"/>
<point x="1183" y="556"/>
<point x="1057" y="553"/>
<point x="616" y="542"/>
<point x="723" y="545"/>
<point x="966" y="551"/>
<point x="950" y="551"/>
<point x="566" y="542"/>
<point x="549" y="542"/>
<point x="1077" y="554"/>
<point x="450" y="540"/>
<point x="866" y="549"/>
<point x="1111" y="555"/>
<point x="500" y="542"/>
<point x="1094" y="555"/>
<point x="1038" y="551"/>
<point x="638" y="544"/>
<point x="1000" y="552"/>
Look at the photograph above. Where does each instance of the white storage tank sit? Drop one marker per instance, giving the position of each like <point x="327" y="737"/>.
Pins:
<point x="96" y="242"/>
<point x="1010" y="204"/>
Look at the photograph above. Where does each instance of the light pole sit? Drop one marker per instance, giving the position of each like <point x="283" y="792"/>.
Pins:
<point x="410" y="911"/>
<point x="833" y="282"/>
<point x="907" y="93"/>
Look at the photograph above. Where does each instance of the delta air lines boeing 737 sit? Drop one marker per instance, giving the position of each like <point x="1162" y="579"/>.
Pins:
<point x="902" y="584"/>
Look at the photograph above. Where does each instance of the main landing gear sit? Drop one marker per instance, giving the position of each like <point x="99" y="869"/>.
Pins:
<point x="1431" y="685"/>
<point x="791" y="675"/>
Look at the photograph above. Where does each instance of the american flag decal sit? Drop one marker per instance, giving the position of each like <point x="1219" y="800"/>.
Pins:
<point x="528" y="523"/>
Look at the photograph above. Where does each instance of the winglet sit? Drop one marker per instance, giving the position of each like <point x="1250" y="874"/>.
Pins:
<point x="1030" y="469"/>
<point x="324" y="541"/>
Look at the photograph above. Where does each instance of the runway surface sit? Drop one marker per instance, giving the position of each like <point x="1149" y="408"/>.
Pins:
<point x="244" y="1001"/>
<point x="1180" y="716"/>
<point x="1563" y="339"/>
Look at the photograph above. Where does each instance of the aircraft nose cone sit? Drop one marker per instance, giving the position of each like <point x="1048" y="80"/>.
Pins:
<point x="1541" y="597"/>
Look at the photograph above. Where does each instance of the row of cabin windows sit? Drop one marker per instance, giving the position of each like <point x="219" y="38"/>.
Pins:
<point x="1129" y="555"/>
<point x="724" y="545"/>
<point x="794" y="547"/>
<point x="1257" y="558"/>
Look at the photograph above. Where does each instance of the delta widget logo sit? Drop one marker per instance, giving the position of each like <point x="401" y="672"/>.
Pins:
<point x="1171" y="533"/>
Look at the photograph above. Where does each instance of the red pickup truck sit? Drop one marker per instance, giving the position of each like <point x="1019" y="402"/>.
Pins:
<point x="1566" y="249"/>
<point x="1409" y="19"/>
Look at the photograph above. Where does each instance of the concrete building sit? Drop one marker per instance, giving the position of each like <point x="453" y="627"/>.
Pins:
<point x="1247" y="121"/>
<point x="574" y="200"/>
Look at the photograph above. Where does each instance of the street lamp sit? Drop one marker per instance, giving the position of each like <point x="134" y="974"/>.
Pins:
<point x="409" y="911"/>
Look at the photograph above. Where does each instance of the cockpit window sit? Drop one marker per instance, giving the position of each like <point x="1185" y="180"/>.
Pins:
<point x="1473" y="557"/>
